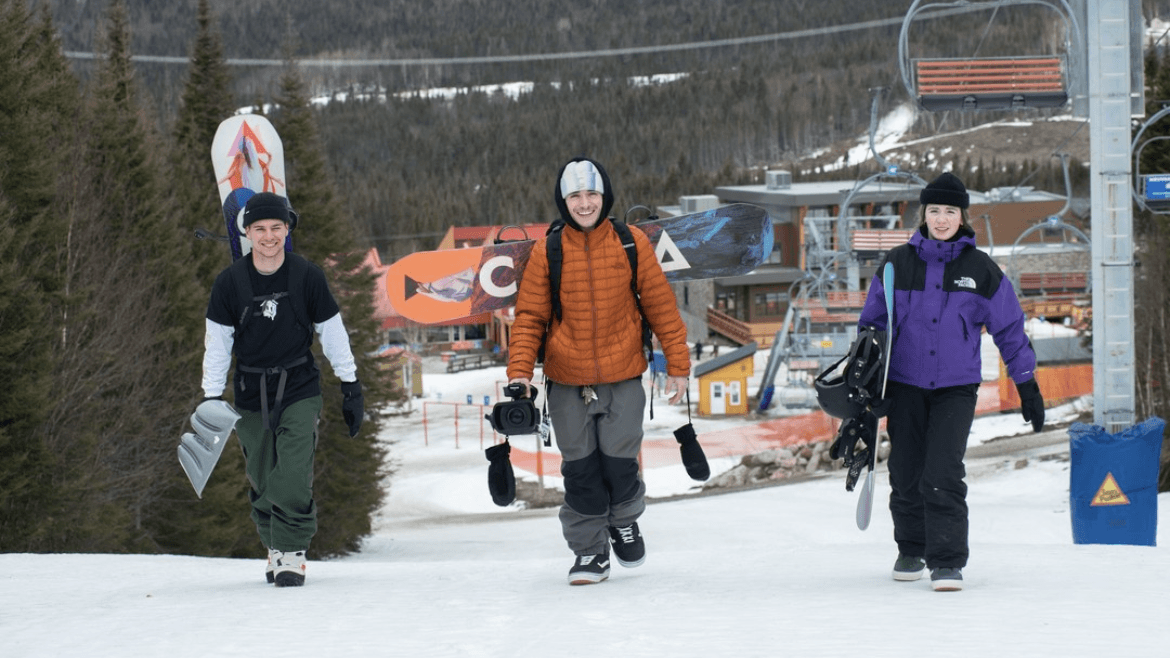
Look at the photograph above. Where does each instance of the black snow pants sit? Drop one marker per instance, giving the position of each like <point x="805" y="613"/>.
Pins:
<point x="928" y="431"/>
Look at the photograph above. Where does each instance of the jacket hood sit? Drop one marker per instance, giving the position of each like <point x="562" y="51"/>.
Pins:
<point x="606" y="195"/>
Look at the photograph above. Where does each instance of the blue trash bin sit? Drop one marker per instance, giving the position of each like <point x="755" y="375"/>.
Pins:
<point x="1114" y="483"/>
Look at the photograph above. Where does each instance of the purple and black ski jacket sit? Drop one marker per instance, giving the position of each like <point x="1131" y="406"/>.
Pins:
<point x="945" y="293"/>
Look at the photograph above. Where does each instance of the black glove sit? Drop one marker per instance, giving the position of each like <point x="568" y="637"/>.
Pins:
<point x="692" y="453"/>
<point x="352" y="406"/>
<point x="1032" y="403"/>
<point x="501" y="479"/>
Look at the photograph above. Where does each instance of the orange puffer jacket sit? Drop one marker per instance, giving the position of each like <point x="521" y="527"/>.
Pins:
<point x="599" y="339"/>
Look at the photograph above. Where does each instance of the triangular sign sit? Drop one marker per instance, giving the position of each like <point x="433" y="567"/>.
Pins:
<point x="1109" y="493"/>
<point x="669" y="255"/>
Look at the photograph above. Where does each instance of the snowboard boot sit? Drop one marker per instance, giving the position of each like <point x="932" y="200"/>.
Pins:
<point x="589" y="569"/>
<point x="270" y="570"/>
<point x="946" y="579"/>
<point x="289" y="568"/>
<point x="628" y="546"/>
<point x="908" y="568"/>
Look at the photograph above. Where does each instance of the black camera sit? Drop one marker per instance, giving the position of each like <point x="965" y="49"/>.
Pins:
<point x="518" y="415"/>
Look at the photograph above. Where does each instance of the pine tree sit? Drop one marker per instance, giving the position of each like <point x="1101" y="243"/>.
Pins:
<point x="1151" y="342"/>
<point x="216" y="523"/>
<point x="206" y="101"/>
<point x="126" y="340"/>
<point x="348" y="471"/>
<point x="34" y="105"/>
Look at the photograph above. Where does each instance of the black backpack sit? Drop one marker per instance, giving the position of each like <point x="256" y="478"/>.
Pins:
<point x="556" y="257"/>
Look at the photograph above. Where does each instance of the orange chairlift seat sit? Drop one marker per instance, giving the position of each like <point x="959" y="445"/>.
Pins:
<point x="987" y="83"/>
<point x="994" y="83"/>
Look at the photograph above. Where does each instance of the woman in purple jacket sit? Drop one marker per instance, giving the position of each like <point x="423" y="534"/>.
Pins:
<point x="945" y="293"/>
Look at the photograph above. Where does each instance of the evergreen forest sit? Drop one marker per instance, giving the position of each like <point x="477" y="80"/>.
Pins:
<point x="105" y="174"/>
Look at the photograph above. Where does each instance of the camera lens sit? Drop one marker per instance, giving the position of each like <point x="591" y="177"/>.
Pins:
<point x="517" y="417"/>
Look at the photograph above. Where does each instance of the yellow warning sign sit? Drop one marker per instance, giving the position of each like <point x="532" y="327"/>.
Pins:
<point x="1109" y="493"/>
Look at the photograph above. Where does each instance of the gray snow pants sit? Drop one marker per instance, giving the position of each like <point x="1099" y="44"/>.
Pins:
<point x="599" y="443"/>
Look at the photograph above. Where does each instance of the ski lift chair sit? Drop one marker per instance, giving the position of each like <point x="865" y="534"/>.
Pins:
<point x="987" y="83"/>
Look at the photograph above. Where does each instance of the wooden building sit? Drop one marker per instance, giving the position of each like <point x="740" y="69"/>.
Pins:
<point x="723" y="382"/>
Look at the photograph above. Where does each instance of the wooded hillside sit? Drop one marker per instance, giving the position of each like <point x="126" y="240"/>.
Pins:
<point x="412" y="166"/>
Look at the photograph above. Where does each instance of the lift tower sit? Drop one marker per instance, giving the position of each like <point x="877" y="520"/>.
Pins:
<point x="1112" y="29"/>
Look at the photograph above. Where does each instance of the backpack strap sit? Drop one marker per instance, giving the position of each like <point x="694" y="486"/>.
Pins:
<point x="631" y="249"/>
<point x="298" y="267"/>
<point x="243" y="284"/>
<point x="556" y="257"/>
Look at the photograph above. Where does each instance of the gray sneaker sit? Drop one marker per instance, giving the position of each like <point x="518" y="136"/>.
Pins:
<point x="946" y="579"/>
<point x="907" y="567"/>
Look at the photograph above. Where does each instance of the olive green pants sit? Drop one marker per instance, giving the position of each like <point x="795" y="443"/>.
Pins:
<point x="280" y="471"/>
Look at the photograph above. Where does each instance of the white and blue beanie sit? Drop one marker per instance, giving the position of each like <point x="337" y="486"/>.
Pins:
<point x="578" y="175"/>
<point x="581" y="176"/>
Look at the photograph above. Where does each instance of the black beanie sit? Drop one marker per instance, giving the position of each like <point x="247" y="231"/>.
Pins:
<point x="946" y="190"/>
<point x="267" y="205"/>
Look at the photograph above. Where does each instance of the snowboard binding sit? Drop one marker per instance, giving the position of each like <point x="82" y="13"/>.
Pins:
<point x="856" y="445"/>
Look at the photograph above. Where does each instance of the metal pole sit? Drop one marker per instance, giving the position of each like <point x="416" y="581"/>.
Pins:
<point x="426" y="437"/>
<point x="1109" y="34"/>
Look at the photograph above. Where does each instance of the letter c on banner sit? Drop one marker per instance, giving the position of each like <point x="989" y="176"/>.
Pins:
<point x="485" y="277"/>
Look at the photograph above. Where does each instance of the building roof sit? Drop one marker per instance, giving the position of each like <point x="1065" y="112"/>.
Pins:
<point x="725" y="360"/>
<point x="765" y="275"/>
<point x="998" y="195"/>
<point x="459" y="237"/>
<point x="819" y="193"/>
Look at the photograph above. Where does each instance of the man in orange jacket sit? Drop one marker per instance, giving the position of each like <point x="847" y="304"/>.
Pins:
<point x="593" y="363"/>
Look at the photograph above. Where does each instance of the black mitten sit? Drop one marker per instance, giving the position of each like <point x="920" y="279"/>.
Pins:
<point x="501" y="479"/>
<point x="1031" y="404"/>
<point x="352" y="405"/>
<point x="692" y="453"/>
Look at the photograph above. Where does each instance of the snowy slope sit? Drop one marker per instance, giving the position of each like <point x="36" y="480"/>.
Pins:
<point x="780" y="571"/>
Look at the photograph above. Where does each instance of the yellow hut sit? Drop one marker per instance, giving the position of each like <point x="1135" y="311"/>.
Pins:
<point x="723" y="382"/>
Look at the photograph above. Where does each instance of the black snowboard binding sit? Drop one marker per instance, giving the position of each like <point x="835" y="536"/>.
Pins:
<point x="856" y="444"/>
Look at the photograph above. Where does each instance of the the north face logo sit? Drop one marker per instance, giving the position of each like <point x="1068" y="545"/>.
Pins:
<point x="965" y="282"/>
